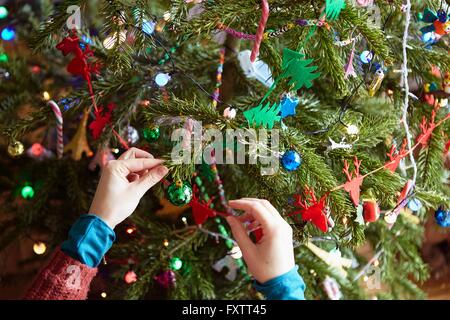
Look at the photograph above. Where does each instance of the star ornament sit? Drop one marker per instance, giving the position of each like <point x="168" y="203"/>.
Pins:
<point x="288" y="105"/>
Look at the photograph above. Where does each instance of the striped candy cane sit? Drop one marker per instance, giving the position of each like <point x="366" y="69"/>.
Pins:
<point x="260" y="32"/>
<point x="59" y="128"/>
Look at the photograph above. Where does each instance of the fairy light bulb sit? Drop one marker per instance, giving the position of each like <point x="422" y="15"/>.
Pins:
<point x="352" y="130"/>
<point x="103" y="295"/>
<point x="27" y="192"/>
<point x="176" y="263"/>
<point x="39" y="248"/>
<point x="46" y="95"/>
<point x="130" y="277"/>
<point x="3" y="12"/>
<point x="162" y="79"/>
<point x="4" y="57"/>
<point x="166" y="243"/>
<point x="376" y="263"/>
<point x="8" y="34"/>
<point x="130" y="230"/>
<point x="366" y="278"/>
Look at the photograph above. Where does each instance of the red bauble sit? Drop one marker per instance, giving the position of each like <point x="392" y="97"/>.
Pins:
<point x="371" y="211"/>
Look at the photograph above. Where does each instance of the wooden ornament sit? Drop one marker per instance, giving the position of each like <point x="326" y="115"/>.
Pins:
<point x="79" y="143"/>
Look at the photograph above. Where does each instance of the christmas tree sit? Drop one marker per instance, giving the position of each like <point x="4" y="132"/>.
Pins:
<point x="355" y="93"/>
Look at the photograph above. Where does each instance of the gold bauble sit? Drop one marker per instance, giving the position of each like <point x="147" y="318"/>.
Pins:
<point x="15" y="149"/>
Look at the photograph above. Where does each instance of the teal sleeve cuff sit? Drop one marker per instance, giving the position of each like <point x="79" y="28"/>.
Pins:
<point x="89" y="239"/>
<point x="288" y="286"/>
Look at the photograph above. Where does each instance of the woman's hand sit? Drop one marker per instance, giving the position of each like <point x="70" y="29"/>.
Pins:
<point x="123" y="183"/>
<point x="273" y="255"/>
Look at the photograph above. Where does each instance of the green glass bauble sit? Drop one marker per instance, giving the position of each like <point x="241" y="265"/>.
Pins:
<point x="151" y="134"/>
<point x="179" y="193"/>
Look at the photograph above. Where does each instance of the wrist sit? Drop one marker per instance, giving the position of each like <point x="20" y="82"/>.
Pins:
<point x="89" y="239"/>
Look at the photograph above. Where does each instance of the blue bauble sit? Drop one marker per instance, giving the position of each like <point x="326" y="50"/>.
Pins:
<point x="291" y="160"/>
<point x="442" y="217"/>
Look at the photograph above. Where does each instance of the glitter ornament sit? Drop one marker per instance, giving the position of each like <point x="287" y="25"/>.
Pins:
<point x="132" y="135"/>
<point x="291" y="160"/>
<point x="179" y="193"/>
<point x="166" y="279"/>
<point x="442" y="217"/>
<point x="151" y="134"/>
<point x="15" y="149"/>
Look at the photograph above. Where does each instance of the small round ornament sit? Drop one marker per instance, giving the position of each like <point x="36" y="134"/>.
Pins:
<point x="166" y="279"/>
<point x="291" y="160"/>
<point x="151" y="134"/>
<point x="132" y="135"/>
<point x="366" y="56"/>
<point x="371" y="210"/>
<point x="15" y="149"/>
<point x="162" y="79"/>
<point x="414" y="205"/>
<point x="442" y="217"/>
<point x="179" y="193"/>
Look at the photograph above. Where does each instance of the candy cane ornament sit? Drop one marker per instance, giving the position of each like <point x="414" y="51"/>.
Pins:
<point x="260" y="31"/>
<point x="59" y="128"/>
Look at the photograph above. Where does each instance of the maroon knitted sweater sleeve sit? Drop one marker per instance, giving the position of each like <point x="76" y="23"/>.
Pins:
<point x="64" y="278"/>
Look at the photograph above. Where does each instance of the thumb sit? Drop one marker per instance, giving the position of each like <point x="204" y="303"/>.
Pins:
<point x="151" y="178"/>
<point x="240" y="235"/>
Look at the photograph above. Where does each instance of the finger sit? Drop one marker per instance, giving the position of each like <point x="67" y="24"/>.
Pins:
<point x="240" y="235"/>
<point x="267" y="205"/>
<point x="137" y="165"/>
<point x="254" y="208"/>
<point x="152" y="177"/>
<point x="135" y="153"/>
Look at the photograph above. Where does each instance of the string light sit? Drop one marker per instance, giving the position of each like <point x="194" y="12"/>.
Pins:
<point x="3" y="12"/>
<point x="365" y="278"/>
<point x="46" y="96"/>
<point x="130" y="230"/>
<point x="8" y="34"/>
<point x="175" y="263"/>
<point x="27" y="192"/>
<point x="103" y="295"/>
<point x="376" y="263"/>
<point x="166" y="243"/>
<point x="4" y="57"/>
<point x="39" y="248"/>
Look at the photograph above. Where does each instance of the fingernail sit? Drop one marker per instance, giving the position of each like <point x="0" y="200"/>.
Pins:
<point x="162" y="170"/>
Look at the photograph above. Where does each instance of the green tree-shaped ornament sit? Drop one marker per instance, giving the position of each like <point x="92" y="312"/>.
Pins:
<point x="265" y="116"/>
<point x="333" y="9"/>
<point x="297" y="68"/>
